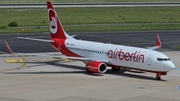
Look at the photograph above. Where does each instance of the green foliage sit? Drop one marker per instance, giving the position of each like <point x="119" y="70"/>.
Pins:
<point x="2" y="27"/>
<point x="43" y="22"/>
<point x="101" y="28"/>
<point x="175" y="47"/>
<point x="13" y="24"/>
<point x="94" y="15"/>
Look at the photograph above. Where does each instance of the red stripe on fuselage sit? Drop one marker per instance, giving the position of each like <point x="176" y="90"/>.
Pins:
<point x="162" y="72"/>
<point x="59" y="45"/>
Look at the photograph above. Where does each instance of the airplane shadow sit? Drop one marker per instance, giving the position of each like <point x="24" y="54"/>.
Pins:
<point x="126" y="74"/>
<point x="82" y="70"/>
<point x="59" y="72"/>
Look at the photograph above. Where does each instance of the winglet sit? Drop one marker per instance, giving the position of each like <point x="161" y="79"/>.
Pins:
<point x="158" y="41"/>
<point x="8" y="47"/>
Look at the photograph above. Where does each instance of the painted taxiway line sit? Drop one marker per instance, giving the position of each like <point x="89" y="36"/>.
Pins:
<point x="179" y="87"/>
<point x="176" y="68"/>
<point x="113" y="4"/>
<point x="2" y="52"/>
<point x="13" y="60"/>
<point x="23" y="60"/>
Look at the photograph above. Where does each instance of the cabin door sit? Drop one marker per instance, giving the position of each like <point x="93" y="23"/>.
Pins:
<point x="149" y="60"/>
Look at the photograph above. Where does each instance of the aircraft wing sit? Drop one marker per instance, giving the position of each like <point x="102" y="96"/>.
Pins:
<point x="158" y="43"/>
<point x="79" y="58"/>
<point x="19" y="54"/>
<point x="46" y="55"/>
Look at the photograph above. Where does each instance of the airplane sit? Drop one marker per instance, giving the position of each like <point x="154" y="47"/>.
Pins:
<point x="98" y="56"/>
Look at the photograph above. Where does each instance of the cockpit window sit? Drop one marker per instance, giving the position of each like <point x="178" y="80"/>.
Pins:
<point x="163" y="59"/>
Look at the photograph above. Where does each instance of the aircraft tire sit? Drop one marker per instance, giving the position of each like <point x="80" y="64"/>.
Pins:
<point x="158" y="78"/>
<point x="115" y="69"/>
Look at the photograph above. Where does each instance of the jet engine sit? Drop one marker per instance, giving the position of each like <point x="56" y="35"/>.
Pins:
<point x="96" y="67"/>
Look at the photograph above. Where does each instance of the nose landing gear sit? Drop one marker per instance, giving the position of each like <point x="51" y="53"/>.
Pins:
<point x="158" y="78"/>
<point x="158" y="75"/>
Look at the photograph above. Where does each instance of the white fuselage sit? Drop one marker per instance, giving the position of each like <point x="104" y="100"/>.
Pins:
<point x="119" y="55"/>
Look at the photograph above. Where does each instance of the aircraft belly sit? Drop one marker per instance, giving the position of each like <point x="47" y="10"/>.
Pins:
<point x="136" y="65"/>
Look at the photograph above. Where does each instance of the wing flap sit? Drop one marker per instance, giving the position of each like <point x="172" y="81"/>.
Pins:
<point x="80" y="59"/>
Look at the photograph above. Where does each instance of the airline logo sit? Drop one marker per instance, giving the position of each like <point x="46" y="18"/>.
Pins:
<point x="53" y="21"/>
<point x="127" y="56"/>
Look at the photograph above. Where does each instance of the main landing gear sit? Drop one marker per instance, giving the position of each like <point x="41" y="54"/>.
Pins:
<point x="115" y="68"/>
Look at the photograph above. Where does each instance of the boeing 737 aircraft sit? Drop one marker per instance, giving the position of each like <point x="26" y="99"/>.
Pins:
<point x="98" y="56"/>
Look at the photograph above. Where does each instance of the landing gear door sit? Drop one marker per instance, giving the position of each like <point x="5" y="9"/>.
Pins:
<point x="149" y="60"/>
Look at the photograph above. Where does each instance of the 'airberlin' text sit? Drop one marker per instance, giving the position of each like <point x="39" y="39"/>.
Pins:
<point x="127" y="56"/>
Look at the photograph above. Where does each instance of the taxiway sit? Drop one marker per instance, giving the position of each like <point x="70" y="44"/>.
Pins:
<point x="48" y="79"/>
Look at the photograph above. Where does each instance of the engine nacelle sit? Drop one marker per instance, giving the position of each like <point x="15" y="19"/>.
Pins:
<point x="96" y="67"/>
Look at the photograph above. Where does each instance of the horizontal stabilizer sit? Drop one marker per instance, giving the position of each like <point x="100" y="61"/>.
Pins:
<point x="43" y="40"/>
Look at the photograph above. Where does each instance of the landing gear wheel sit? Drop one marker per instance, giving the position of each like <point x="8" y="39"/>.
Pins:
<point x="158" y="78"/>
<point x="115" y="69"/>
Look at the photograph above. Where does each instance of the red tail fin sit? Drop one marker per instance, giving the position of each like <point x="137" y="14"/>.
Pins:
<point x="56" y="28"/>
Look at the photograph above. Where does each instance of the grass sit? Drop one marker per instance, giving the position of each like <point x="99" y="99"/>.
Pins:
<point x="175" y="47"/>
<point x="82" y="1"/>
<point x="33" y="18"/>
<point x="128" y="27"/>
<point x="99" y="28"/>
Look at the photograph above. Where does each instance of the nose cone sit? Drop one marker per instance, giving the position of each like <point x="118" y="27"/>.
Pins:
<point x="170" y="66"/>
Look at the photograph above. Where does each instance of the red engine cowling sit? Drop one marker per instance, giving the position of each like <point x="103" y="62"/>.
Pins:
<point x="96" y="67"/>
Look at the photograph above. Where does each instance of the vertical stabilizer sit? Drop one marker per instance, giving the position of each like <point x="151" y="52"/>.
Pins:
<point x="56" y="28"/>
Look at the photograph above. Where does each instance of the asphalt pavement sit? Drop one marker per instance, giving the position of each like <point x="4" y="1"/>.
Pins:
<point x="36" y="78"/>
<point x="170" y="40"/>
